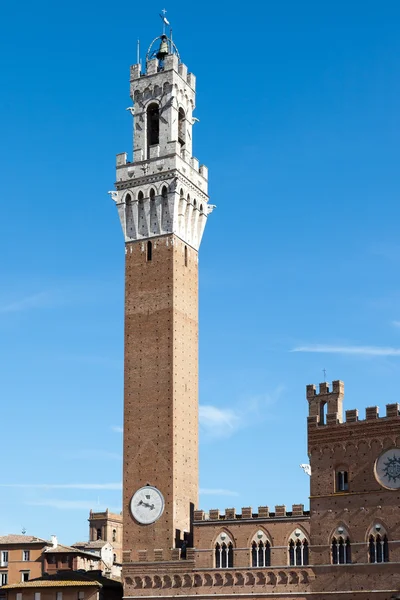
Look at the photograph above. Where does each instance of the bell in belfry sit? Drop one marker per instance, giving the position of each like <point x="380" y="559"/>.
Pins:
<point x="163" y="51"/>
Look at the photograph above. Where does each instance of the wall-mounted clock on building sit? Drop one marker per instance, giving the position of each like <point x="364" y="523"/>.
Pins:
<point x="147" y="505"/>
<point x="387" y="469"/>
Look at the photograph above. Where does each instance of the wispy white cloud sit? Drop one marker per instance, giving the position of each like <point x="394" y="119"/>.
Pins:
<point x="396" y="323"/>
<point x="65" y="486"/>
<point x="40" y="300"/>
<point x="355" y="350"/>
<point x="68" y="504"/>
<point x="218" y="422"/>
<point x="217" y="492"/>
<point x="117" y="428"/>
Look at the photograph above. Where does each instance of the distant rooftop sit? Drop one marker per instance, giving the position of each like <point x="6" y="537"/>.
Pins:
<point x="61" y="549"/>
<point x="94" y="544"/>
<point x="50" y="583"/>
<point x="12" y="538"/>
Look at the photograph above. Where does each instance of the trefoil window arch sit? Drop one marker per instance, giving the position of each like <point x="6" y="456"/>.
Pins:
<point x="223" y="552"/>
<point x="341" y="547"/>
<point x="378" y="545"/>
<point x="298" y="549"/>
<point x="260" y="550"/>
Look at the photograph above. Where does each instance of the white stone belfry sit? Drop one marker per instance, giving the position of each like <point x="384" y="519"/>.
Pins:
<point x="164" y="190"/>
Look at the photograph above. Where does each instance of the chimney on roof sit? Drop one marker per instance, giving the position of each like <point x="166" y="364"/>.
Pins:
<point x="54" y="541"/>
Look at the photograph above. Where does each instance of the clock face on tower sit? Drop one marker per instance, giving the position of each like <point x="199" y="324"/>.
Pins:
<point x="147" y="505"/>
<point x="387" y="469"/>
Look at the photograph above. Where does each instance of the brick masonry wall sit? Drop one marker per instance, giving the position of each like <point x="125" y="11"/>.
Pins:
<point x="161" y="387"/>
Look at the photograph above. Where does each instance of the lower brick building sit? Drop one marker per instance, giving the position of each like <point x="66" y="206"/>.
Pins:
<point x="20" y="558"/>
<point x="67" y="585"/>
<point x="347" y="546"/>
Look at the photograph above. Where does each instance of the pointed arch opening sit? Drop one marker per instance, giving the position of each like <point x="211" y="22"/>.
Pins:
<point x="260" y="550"/>
<point x="129" y="225"/>
<point x="341" y="547"/>
<point x="378" y="544"/>
<point x="298" y="550"/>
<point x="181" y="126"/>
<point x="153" y="126"/>
<point x="223" y="551"/>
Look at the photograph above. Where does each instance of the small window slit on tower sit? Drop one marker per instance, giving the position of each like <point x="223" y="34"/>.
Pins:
<point x="149" y="251"/>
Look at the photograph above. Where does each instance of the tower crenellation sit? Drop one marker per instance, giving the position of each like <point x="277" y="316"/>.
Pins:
<point x="327" y="399"/>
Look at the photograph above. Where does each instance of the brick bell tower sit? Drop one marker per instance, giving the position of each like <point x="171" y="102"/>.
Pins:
<point x="162" y="203"/>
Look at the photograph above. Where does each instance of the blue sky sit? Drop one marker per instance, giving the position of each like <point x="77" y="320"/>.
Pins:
<point x="299" y="126"/>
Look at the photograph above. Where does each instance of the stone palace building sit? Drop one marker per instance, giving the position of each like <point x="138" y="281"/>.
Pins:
<point x="348" y="545"/>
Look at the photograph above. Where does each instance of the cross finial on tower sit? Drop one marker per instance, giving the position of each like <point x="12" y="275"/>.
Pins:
<point x="164" y="19"/>
<point x="324" y="372"/>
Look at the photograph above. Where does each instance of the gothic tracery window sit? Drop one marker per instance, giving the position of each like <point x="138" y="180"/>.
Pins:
<point x="261" y="554"/>
<point x="341" y="550"/>
<point x="298" y="549"/>
<point x="378" y="545"/>
<point x="223" y="552"/>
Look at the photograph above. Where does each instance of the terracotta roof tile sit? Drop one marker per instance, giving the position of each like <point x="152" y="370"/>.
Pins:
<point x="95" y="544"/>
<point x="61" y="549"/>
<point x="50" y="583"/>
<point x="21" y="539"/>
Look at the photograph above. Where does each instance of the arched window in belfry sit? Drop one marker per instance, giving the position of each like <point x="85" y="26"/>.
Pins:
<point x="298" y="549"/>
<point x="181" y="127"/>
<point x="165" y="216"/>
<point x="341" y="547"/>
<point x="114" y="535"/>
<point x="378" y="545"/>
<point x="128" y="215"/>
<point x="153" y="124"/>
<point x="154" y="219"/>
<point x="223" y="552"/>
<point x="99" y="534"/>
